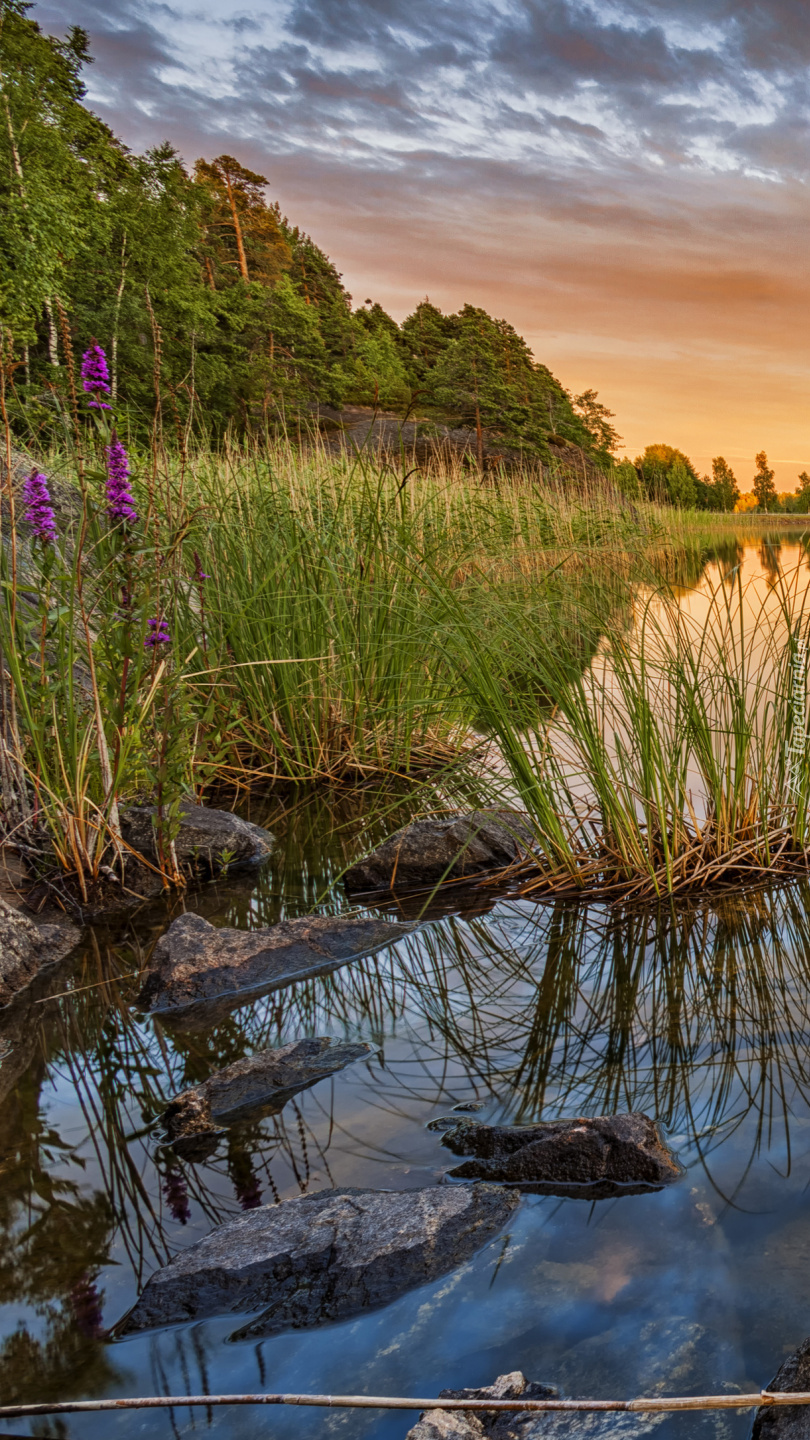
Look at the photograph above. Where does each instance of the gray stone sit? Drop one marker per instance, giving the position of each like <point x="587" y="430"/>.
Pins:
<point x="449" y="847"/>
<point x="25" y="948"/>
<point x="320" y="1258"/>
<point x="605" y="1155"/>
<point x="198" y="971"/>
<point x="787" y="1422"/>
<point x="204" y="839"/>
<point x="260" y="1084"/>
<point x="480" y="1424"/>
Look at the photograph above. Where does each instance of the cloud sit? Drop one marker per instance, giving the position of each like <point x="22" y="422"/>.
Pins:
<point x="617" y="177"/>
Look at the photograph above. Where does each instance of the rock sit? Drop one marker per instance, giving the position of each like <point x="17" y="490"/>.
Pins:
<point x="442" y="847"/>
<point x="197" y="969"/>
<point x="212" y="840"/>
<point x="787" y="1422"/>
<point x="319" y="1258"/>
<point x="607" y="1155"/>
<point x="482" y="1424"/>
<point x="262" y="1082"/>
<point x="25" y="948"/>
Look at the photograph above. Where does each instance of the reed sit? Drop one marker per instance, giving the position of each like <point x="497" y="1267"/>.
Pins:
<point x="676" y="761"/>
<point x="271" y="616"/>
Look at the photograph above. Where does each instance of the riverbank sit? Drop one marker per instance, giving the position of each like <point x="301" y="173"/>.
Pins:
<point x="261" y="619"/>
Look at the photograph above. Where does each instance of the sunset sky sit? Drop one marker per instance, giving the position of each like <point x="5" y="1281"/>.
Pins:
<point x="623" y="180"/>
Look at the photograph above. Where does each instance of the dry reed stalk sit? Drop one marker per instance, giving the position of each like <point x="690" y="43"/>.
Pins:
<point x="641" y="1406"/>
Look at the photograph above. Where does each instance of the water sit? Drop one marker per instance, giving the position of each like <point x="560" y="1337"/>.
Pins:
<point x="700" y="1016"/>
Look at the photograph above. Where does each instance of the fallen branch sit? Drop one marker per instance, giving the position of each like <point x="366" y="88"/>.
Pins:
<point x="390" y="1402"/>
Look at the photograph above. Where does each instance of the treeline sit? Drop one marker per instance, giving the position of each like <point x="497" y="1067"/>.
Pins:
<point x="665" y="474"/>
<point x="205" y="295"/>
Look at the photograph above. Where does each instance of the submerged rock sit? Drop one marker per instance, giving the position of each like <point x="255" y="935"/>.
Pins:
<point x="25" y="948"/>
<point x="607" y="1155"/>
<point x="482" y="1424"/>
<point x="198" y="970"/>
<point x="262" y="1082"/>
<point x="319" y="1258"/>
<point x="525" y="1424"/>
<point x="212" y="840"/>
<point x="787" y="1422"/>
<point x="447" y="847"/>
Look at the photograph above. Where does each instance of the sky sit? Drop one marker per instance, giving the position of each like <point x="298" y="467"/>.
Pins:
<point x="625" y="181"/>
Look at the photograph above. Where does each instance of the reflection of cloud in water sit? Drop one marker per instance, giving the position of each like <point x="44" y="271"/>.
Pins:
<point x="698" y="1016"/>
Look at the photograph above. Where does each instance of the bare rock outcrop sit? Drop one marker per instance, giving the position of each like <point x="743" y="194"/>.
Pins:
<point x="198" y="970"/>
<point x="320" y="1258"/>
<point x="444" y="847"/>
<point x="599" y="1157"/>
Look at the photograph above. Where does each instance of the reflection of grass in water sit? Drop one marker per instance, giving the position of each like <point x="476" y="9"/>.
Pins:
<point x="699" y="1017"/>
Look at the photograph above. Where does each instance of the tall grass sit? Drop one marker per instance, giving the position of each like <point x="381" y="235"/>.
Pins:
<point x="336" y="619"/>
<point x="310" y="638"/>
<point x="665" y="766"/>
<point x="328" y="636"/>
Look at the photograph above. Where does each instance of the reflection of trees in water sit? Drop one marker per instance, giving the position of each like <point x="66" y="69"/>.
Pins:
<point x="54" y="1240"/>
<point x="769" y="552"/>
<point x="699" y="1017"/>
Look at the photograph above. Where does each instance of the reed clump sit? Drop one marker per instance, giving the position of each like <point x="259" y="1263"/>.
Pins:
<point x="188" y="621"/>
<point x="677" y="761"/>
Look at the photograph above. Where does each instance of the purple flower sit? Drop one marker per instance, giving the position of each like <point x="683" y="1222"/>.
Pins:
<point x="198" y="570"/>
<point x="175" y="1191"/>
<point x="120" y="506"/>
<point x="96" y="376"/>
<point x="158" y="633"/>
<point x="249" y="1192"/>
<point x="85" y="1303"/>
<point x="39" y="513"/>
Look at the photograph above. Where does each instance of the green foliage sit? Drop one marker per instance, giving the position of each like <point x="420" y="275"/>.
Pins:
<point x="668" y="474"/>
<point x="801" y="502"/>
<point x="726" y="491"/>
<point x="206" y="299"/>
<point x="597" y="418"/>
<point x="625" y="477"/>
<point x="763" y="486"/>
<point x="483" y="374"/>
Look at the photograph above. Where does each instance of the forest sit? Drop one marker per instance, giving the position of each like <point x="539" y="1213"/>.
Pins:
<point x="217" y="310"/>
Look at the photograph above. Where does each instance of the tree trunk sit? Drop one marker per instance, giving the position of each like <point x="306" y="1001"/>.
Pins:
<point x="53" y="343"/>
<point x="116" y="316"/>
<point x="479" y="437"/>
<point x="238" y="228"/>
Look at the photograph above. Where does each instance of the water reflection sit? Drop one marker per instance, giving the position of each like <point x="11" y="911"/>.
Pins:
<point x="698" y="1016"/>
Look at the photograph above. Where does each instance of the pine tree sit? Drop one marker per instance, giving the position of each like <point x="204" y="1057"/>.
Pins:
<point x="243" y="233"/>
<point x="597" y="418"/>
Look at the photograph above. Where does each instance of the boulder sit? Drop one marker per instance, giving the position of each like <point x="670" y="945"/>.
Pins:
<point x="606" y="1155"/>
<point x="261" y="1083"/>
<point x="199" y="971"/>
<point x="211" y="840"/>
<point x="446" y="847"/>
<point x="319" y="1258"/>
<point x="787" y="1422"/>
<point x="25" y="948"/>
